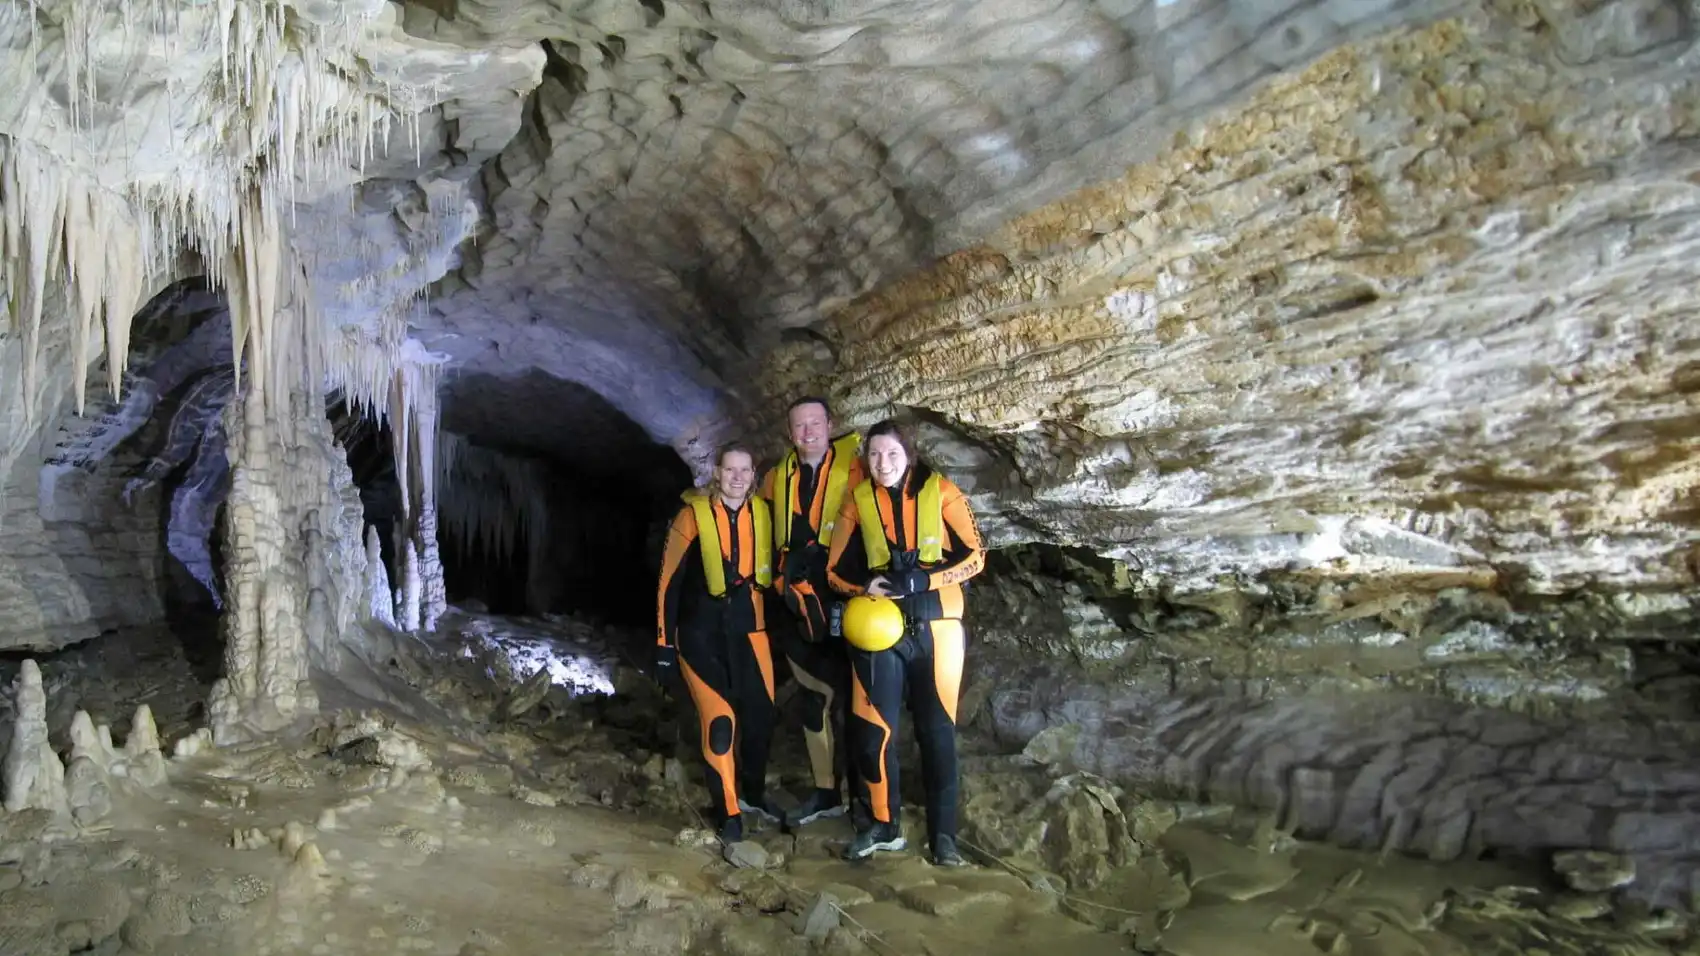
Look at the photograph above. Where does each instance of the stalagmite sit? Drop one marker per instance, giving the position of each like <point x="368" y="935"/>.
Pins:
<point x="434" y="593"/>
<point x="142" y="758"/>
<point x="408" y="614"/>
<point x="33" y="775"/>
<point x="87" y="787"/>
<point x="380" y="599"/>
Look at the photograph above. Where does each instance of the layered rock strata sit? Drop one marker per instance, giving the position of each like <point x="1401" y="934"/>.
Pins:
<point x="1415" y="305"/>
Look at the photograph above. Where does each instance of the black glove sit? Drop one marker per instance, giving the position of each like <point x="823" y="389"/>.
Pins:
<point x="666" y="665"/>
<point x="905" y="583"/>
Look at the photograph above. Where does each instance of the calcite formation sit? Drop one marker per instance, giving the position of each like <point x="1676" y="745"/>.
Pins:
<point x="297" y="559"/>
<point x="1410" y="306"/>
<point x="75" y="795"/>
<point x="34" y="775"/>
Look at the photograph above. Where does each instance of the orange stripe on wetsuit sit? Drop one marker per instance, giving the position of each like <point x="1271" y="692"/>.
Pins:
<point x="681" y="540"/>
<point x="878" y="784"/>
<point x="848" y="571"/>
<point x="737" y="550"/>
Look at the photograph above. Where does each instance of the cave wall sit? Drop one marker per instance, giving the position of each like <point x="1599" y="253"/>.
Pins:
<point x="1369" y="403"/>
<point x="1424" y="303"/>
<point x="76" y="558"/>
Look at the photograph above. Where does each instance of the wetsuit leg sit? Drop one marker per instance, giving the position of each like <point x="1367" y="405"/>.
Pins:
<point x="708" y="675"/>
<point x="755" y="714"/>
<point x="876" y="701"/>
<point x="821" y="664"/>
<point x="935" y="680"/>
<point x="819" y="695"/>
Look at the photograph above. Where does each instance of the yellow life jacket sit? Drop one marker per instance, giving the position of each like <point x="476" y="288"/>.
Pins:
<point x="837" y="480"/>
<point x="708" y="541"/>
<point x="929" y="523"/>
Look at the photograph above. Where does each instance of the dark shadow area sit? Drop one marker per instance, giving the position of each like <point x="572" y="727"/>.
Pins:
<point x="596" y="541"/>
<point x="180" y="355"/>
<point x="550" y="500"/>
<point x="606" y="483"/>
<point x="371" y="458"/>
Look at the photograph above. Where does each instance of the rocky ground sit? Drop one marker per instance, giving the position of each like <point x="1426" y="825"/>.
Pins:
<point x="482" y="809"/>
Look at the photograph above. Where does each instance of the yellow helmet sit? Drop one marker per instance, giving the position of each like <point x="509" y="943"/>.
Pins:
<point x="872" y="623"/>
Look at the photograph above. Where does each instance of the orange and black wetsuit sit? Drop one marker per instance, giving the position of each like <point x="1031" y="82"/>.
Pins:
<point x="925" y="667"/>
<point x="818" y="659"/>
<point x="722" y="647"/>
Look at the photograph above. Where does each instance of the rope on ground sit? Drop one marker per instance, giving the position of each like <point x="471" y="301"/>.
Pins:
<point x="1029" y="879"/>
<point x="796" y="895"/>
<point x="859" y="925"/>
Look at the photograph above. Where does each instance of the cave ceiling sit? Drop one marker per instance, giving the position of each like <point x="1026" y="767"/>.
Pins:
<point x="692" y="182"/>
<point x="1209" y="286"/>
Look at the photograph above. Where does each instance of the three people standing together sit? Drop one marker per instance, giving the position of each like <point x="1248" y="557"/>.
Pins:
<point x="882" y="530"/>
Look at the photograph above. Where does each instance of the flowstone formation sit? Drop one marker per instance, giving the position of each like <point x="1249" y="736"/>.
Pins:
<point x="298" y="559"/>
<point x="1413" y="306"/>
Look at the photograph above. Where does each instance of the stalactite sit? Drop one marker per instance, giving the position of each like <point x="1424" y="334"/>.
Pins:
<point x="85" y="230"/>
<point x="490" y="504"/>
<point x="74" y="218"/>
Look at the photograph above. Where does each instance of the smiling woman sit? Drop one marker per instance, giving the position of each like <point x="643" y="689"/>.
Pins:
<point x="712" y="630"/>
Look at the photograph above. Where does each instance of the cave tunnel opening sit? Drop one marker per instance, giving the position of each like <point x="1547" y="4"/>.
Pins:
<point x="551" y="501"/>
<point x="181" y="380"/>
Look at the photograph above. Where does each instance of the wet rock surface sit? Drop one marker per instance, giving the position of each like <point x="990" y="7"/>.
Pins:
<point x="1373" y="738"/>
<point x="379" y="832"/>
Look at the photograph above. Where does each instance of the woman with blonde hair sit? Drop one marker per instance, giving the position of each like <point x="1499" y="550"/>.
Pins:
<point x="710" y="627"/>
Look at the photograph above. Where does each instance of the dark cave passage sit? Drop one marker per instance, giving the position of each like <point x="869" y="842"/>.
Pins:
<point x="556" y="509"/>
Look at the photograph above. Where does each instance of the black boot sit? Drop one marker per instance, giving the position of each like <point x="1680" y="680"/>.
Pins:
<point x="945" y="852"/>
<point x="875" y="839"/>
<point x="732" y="831"/>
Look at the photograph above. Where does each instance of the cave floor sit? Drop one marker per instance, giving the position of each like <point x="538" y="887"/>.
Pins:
<point x="568" y="828"/>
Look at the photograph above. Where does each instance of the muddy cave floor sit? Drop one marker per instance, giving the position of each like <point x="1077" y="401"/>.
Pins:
<point x="478" y="809"/>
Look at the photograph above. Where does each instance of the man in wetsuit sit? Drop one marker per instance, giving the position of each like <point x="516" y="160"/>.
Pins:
<point x="807" y="490"/>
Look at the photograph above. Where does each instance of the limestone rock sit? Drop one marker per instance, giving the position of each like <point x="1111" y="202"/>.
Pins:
<point x="161" y="919"/>
<point x="527" y="695"/>
<point x="1592" y="871"/>
<point x="372" y="739"/>
<point x="746" y="853"/>
<point x="818" y="919"/>
<point x="1072" y="825"/>
<point x="192" y="745"/>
